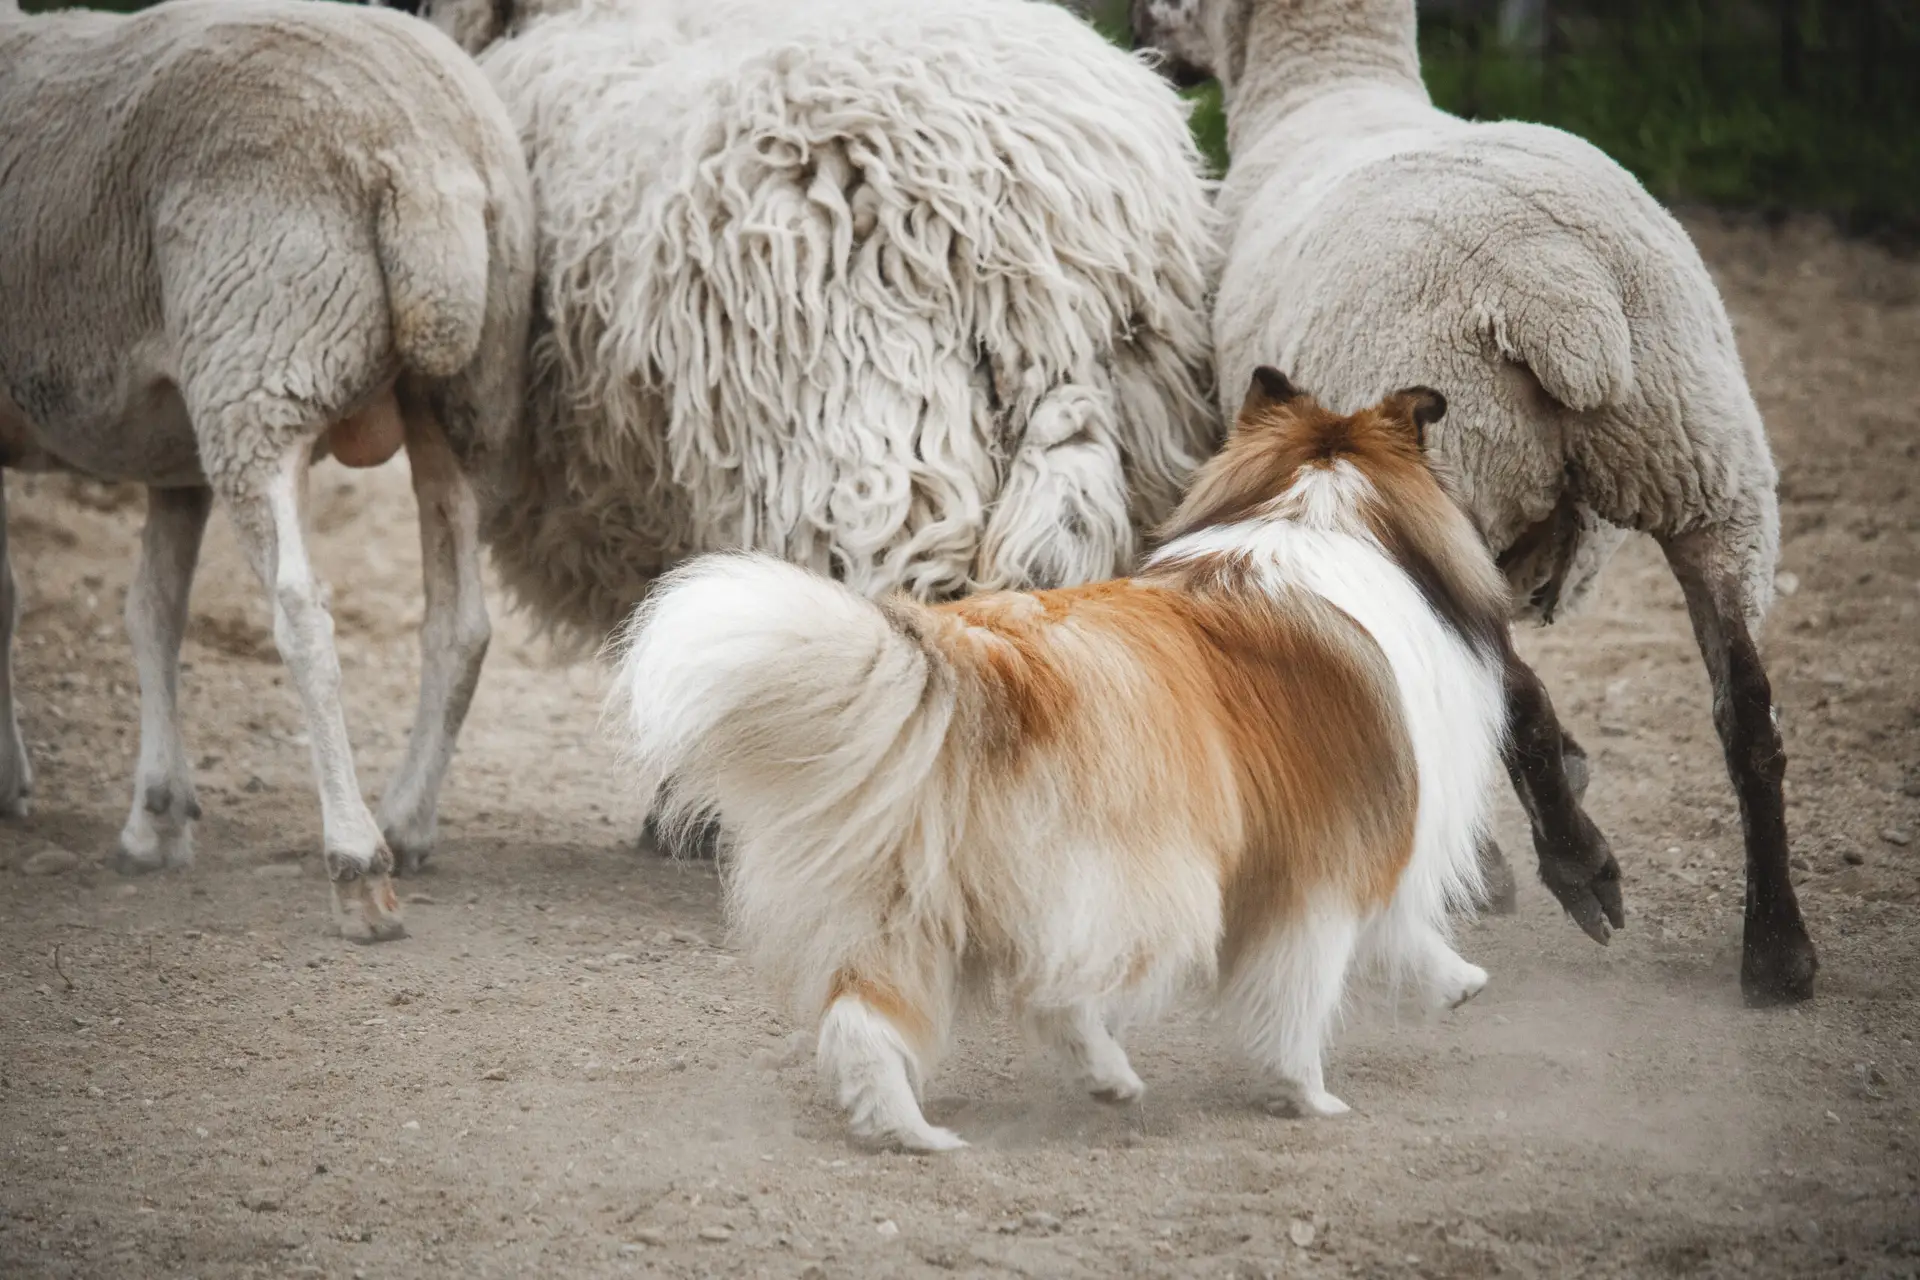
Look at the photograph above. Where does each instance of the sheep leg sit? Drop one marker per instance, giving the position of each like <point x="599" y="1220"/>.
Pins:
<point x="453" y="639"/>
<point x="1576" y="863"/>
<point x="1777" y="958"/>
<point x="159" y="828"/>
<point x="16" y="772"/>
<point x="1498" y="889"/>
<point x="267" y="518"/>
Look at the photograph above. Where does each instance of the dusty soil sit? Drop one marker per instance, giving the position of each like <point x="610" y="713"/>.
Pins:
<point x="563" y="1070"/>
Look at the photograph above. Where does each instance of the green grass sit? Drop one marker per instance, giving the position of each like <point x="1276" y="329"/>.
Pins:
<point x="1699" y="116"/>
<point x="1694" y="105"/>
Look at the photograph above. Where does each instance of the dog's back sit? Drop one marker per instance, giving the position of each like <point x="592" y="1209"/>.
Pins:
<point x="1267" y="753"/>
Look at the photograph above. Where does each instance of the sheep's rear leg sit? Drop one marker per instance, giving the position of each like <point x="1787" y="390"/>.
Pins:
<point x="267" y="517"/>
<point x="1499" y="891"/>
<point x="454" y="634"/>
<point x="1777" y="958"/>
<point x="16" y="772"/>
<point x="1576" y="863"/>
<point x="159" y="828"/>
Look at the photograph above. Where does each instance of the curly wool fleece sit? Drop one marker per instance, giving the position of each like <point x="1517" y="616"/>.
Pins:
<point x="909" y="291"/>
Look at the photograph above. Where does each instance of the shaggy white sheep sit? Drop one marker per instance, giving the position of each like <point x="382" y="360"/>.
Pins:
<point x="239" y="234"/>
<point x="908" y="291"/>
<point x="1375" y="241"/>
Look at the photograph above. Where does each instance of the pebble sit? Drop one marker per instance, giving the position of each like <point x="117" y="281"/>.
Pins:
<point x="1786" y="583"/>
<point x="888" y="1228"/>
<point x="651" y="1236"/>
<point x="715" y="1235"/>
<point x="1896" y="835"/>
<point x="1853" y="857"/>
<point x="1039" y="1221"/>
<point x="52" y="861"/>
<point x="494" y="1073"/>
<point x="1300" y="1231"/>
<point x="422" y="899"/>
<point x="261" y="1200"/>
<point x="411" y="1124"/>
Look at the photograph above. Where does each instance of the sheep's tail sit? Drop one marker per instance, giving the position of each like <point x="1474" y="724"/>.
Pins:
<point x="813" y="722"/>
<point x="433" y="248"/>
<point x="1565" y="322"/>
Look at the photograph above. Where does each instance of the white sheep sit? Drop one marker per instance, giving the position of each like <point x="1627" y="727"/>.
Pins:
<point x="240" y="234"/>
<point x="1374" y="241"/>
<point x="908" y="291"/>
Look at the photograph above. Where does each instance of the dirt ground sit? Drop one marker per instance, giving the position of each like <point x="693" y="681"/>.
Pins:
<point x="564" y="1071"/>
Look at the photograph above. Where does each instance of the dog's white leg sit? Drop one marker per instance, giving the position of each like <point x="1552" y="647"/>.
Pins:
<point x="1448" y="980"/>
<point x="872" y="1066"/>
<point x="1098" y="1063"/>
<point x="1284" y="995"/>
<point x="1408" y="948"/>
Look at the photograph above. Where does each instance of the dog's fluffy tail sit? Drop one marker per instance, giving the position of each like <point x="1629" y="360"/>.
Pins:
<point x="813" y="722"/>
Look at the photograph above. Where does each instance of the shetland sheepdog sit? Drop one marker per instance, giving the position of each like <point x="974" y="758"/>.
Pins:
<point x="1261" y="761"/>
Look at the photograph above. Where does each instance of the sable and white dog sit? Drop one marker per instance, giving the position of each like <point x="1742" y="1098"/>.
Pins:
<point x="1264" y="758"/>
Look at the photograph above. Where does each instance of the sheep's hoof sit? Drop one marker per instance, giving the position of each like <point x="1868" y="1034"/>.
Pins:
<point x="1777" y="965"/>
<point x="1588" y="886"/>
<point x="364" y="903"/>
<point x="410" y="836"/>
<point x="408" y="859"/>
<point x="143" y="852"/>
<point x="129" y="863"/>
<point x="16" y="781"/>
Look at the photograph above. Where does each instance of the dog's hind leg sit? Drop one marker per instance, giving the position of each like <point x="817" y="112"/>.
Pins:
<point x="1283" y="993"/>
<point x="1098" y="1063"/>
<point x="875" y="1044"/>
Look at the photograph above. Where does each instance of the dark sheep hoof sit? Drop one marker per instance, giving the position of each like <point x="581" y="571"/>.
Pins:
<point x="1779" y="974"/>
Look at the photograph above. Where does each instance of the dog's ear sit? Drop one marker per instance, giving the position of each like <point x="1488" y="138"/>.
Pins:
<point x="1419" y="407"/>
<point x="1269" y="388"/>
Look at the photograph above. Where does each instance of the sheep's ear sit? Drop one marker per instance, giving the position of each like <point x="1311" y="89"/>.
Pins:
<point x="1420" y="406"/>
<point x="1269" y="388"/>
